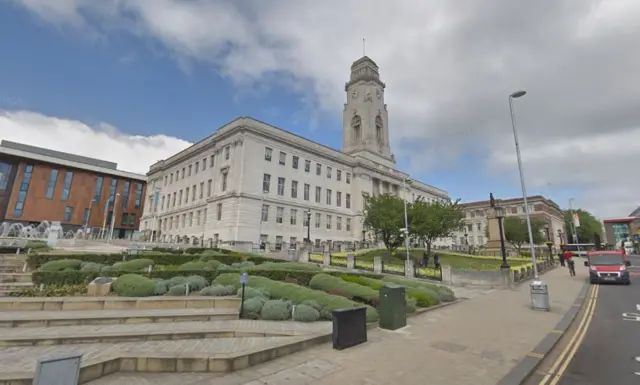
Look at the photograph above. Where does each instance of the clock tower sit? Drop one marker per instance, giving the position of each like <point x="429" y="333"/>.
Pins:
<point x="365" y="123"/>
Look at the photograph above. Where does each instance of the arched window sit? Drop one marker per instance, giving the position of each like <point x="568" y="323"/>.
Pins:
<point x="356" y="129"/>
<point x="379" y="130"/>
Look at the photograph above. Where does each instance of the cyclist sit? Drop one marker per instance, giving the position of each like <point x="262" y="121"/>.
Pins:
<point x="568" y="257"/>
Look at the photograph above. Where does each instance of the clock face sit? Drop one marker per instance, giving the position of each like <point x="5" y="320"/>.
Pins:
<point x="354" y="94"/>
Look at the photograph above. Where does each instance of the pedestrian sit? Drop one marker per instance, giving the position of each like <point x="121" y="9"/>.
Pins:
<point x="561" y="258"/>
<point x="425" y="259"/>
<point x="568" y="256"/>
<point x="436" y="261"/>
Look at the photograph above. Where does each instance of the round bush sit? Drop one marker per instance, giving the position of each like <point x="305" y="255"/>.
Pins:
<point x="61" y="265"/>
<point x="218" y="291"/>
<point x="133" y="285"/>
<point x="242" y="265"/>
<point x="305" y="313"/>
<point x="161" y="288"/>
<point x="179" y="280"/>
<point x="196" y="282"/>
<point x="178" y="290"/>
<point x="91" y="266"/>
<point x="411" y="305"/>
<point x="134" y="265"/>
<point x="446" y="296"/>
<point x="425" y="297"/>
<point x="312" y="303"/>
<point x="209" y="256"/>
<point x="252" y="307"/>
<point x="223" y="267"/>
<point x="251" y="292"/>
<point x="275" y="310"/>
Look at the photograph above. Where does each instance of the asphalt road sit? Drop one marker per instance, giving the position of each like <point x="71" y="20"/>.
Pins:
<point x="609" y="354"/>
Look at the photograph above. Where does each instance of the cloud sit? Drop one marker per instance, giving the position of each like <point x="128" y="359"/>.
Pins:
<point x="133" y="153"/>
<point x="449" y="67"/>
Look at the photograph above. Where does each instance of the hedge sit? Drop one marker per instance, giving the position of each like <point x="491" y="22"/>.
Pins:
<point x="424" y="297"/>
<point x="349" y="290"/>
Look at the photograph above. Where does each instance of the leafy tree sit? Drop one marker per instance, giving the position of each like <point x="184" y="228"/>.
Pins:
<point x="517" y="234"/>
<point x="384" y="216"/>
<point x="589" y="226"/>
<point x="432" y="220"/>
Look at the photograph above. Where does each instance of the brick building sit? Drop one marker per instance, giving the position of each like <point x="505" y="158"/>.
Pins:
<point x="38" y="184"/>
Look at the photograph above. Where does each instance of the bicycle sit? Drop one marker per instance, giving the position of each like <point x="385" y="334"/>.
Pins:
<point x="572" y="268"/>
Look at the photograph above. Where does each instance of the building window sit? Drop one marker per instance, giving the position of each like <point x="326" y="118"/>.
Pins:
<point x="98" y="190"/>
<point x="479" y="226"/>
<point x="197" y="167"/>
<point x="266" y="183"/>
<point x="198" y="218"/>
<point x="338" y="175"/>
<point x="138" y="196"/>
<point x="186" y="195"/>
<point x="328" y="222"/>
<point x="265" y="213"/>
<point x="165" y="180"/>
<point x="338" y="198"/>
<point x="189" y="172"/>
<point x="179" y="197"/>
<point x="347" y="201"/>
<point x="283" y="158"/>
<point x="348" y="178"/>
<point x="204" y="164"/>
<point x="306" y="191"/>
<point x="307" y="165"/>
<point x="318" y="220"/>
<point x="132" y="220"/>
<point x="109" y="217"/>
<point x="227" y="152"/>
<point x="171" y="178"/>
<point x="66" y="186"/>
<point x="306" y="216"/>
<point x="224" y="182"/>
<point x="183" y="221"/>
<point x="211" y="158"/>
<point x="182" y="175"/>
<point x="51" y="184"/>
<point x="328" y="196"/>
<point x="209" y="184"/>
<point x="191" y="219"/>
<point x="193" y="193"/>
<point x="338" y="223"/>
<point x="318" y="191"/>
<point x="204" y="216"/>
<point x="348" y="224"/>
<point x="328" y="172"/>
<point x="267" y="154"/>
<point x="318" y="169"/>
<point x="112" y="190"/>
<point x="173" y="200"/>
<point x="219" y="211"/>
<point x="294" y="189"/>
<point x="162" y="204"/>
<point x="85" y="217"/>
<point x="201" y="190"/>
<point x="295" y="161"/>
<point x="293" y="243"/>
<point x="5" y="171"/>
<point x="279" y="214"/>
<point x="67" y="213"/>
<point x="125" y="219"/>
<point x="280" y="186"/>
<point x="125" y="195"/>
<point x="24" y="188"/>
<point x="293" y="216"/>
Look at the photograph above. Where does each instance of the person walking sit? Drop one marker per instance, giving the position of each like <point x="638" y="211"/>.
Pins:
<point x="561" y="258"/>
<point x="568" y="256"/>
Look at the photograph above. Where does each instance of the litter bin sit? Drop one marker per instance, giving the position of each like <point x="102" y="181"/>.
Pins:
<point x="539" y="296"/>
<point x="393" y="308"/>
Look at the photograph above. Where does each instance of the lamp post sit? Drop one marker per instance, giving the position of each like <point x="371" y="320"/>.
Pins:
<point x="86" y="223"/>
<point x="549" y="242"/>
<point x="154" y="210"/>
<point x="574" y="230"/>
<point x="113" y="217"/>
<point x="405" y="181"/>
<point x="103" y="232"/>
<point x="364" y="233"/>
<point x="466" y="241"/>
<point x="561" y="236"/>
<point x="308" y="213"/>
<point x="261" y="217"/>
<point x="503" y="250"/>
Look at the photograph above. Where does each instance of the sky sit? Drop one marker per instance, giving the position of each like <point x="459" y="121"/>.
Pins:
<point x="135" y="81"/>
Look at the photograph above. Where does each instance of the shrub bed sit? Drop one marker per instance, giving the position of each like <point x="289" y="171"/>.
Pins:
<point x="51" y="291"/>
<point x="352" y="291"/>
<point x="297" y="294"/>
<point x="444" y="293"/>
<point x="424" y="297"/>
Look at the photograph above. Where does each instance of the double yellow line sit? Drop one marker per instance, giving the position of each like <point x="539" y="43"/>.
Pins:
<point x="562" y="362"/>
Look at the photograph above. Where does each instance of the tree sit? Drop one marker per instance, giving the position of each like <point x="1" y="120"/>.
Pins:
<point x="384" y="217"/>
<point x="517" y="234"/>
<point x="589" y="226"/>
<point x="432" y="220"/>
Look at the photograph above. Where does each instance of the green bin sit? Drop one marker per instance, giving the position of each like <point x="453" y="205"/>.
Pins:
<point x="393" y="307"/>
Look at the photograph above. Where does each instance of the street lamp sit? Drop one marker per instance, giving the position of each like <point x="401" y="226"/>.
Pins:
<point x="308" y="213"/>
<point x="561" y="236"/>
<point x="466" y="241"/>
<point x="574" y="231"/>
<point x="516" y="95"/>
<point x="549" y="242"/>
<point x="503" y="250"/>
<point x="113" y="217"/>
<point x="406" y="181"/>
<point x="264" y="191"/>
<point x="86" y="222"/>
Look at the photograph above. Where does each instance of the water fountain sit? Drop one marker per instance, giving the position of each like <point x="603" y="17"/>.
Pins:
<point x="18" y="234"/>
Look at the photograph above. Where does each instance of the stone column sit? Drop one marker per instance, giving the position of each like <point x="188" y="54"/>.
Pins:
<point x="507" y="278"/>
<point x="351" y="261"/>
<point x="409" y="269"/>
<point x="377" y="265"/>
<point x="326" y="259"/>
<point x="446" y="274"/>
<point x="304" y="255"/>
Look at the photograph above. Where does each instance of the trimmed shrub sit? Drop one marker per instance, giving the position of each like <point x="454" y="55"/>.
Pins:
<point x="161" y="287"/>
<point x="178" y="290"/>
<point x="91" y="266"/>
<point x="196" y="282"/>
<point x="223" y="267"/>
<point x="423" y="296"/>
<point x="61" y="265"/>
<point x="242" y="265"/>
<point x="35" y="261"/>
<point x="288" y="266"/>
<point x="218" y="291"/>
<point x="134" y="285"/>
<point x="177" y="281"/>
<point x="252" y="307"/>
<point x="134" y="264"/>
<point x="199" y="265"/>
<point x="444" y="293"/>
<point x="359" y="293"/>
<point x="312" y="303"/>
<point x="275" y="310"/>
<point x="251" y="292"/>
<point x="297" y="294"/>
<point x="305" y="313"/>
<point x="212" y="256"/>
<point x="411" y="306"/>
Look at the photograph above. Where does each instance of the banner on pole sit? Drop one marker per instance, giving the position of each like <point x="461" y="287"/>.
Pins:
<point x="576" y="220"/>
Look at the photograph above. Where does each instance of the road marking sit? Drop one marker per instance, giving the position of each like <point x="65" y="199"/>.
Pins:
<point x="631" y="317"/>
<point x="535" y="355"/>
<point x="554" y="374"/>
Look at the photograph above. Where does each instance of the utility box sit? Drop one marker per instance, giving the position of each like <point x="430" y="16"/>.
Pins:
<point x="393" y="307"/>
<point x="539" y="296"/>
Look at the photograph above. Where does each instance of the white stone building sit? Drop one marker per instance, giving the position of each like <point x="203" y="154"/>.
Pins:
<point x="251" y="182"/>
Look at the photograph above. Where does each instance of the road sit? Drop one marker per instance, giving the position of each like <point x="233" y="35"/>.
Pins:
<point x="601" y="347"/>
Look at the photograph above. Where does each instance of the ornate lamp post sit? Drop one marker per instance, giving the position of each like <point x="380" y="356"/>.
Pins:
<point x="503" y="250"/>
<point x="549" y="242"/>
<point x="466" y="240"/>
<point x="308" y="213"/>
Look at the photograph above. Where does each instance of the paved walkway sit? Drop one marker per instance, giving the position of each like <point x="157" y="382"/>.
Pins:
<point x="474" y="342"/>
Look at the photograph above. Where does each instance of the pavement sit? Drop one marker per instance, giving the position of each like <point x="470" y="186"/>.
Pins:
<point x="602" y="345"/>
<point x="476" y="341"/>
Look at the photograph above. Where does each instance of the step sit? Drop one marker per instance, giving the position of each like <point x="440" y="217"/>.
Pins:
<point x="115" y="303"/>
<point x="19" y="319"/>
<point x="15" y="277"/>
<point x="92" y="334"/>
<point x="221" y="355"/>
<point x="11" y="286"/>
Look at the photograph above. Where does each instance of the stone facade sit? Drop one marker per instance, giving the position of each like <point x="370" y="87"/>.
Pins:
<point x="251" y="182"/>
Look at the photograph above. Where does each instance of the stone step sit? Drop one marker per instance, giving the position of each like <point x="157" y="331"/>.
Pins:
<point x="11" y="286"/>
<point x="109" y="317"/>
<point x="15" y="277"/>
<point x="92" y="334"/>
<point x="115" y="303"/>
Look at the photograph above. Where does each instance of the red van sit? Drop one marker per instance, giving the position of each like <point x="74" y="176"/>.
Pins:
<point x="608" y="266"/>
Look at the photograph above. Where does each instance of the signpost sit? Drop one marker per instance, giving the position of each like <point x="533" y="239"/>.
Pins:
<point x="244" y="278"/>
